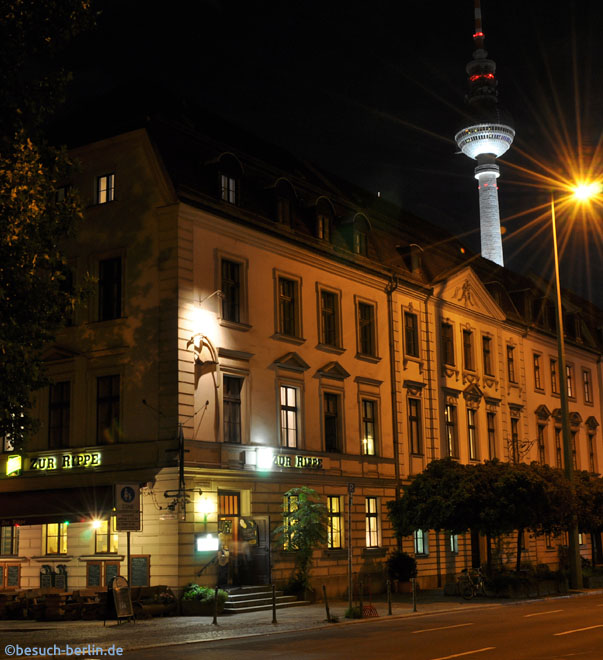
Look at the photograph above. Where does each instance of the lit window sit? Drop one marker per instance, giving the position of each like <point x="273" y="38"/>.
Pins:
<point x="56" y="538"/>
<point x="9" y="540"/>
<point x="360" y="243"/>
<point x="420" y="537"/>
<point x="289" y="405"/>
<point x="511" y="364"/>
<point x="105" y="537"/>
<point x="232" y="386"/>
<point x="487" y="355"/>
<point x="491" y="421"/>
<point x="366" y="329"/>
<point x="587" y="386"/>
<point x="537" y="371"/>
<point x="228" y="189"/>
<point x="369" y="427"/>
<point x="107" y="409"/>
<point x="58" y="415"/>
<point x="329" y="319"/>
<point x="451" y="431"/>
<point x="472" y="434"/>
<point x="571" y="393"/>
<point x="415" y="435"/>
<point x="323" y="226"/>
<point x="554" y="378"/>
<point x="468" y="350"/>
<point x="453" y="543"/>
<point x="288" y="307"/>
<point x="372" y="522"/>
<point x="105" y="188"/>
<point x="109" y="289"/>
<point x="332" y="421"/>
<point x="447" y="344"/>
<point x="334" y="522"/>
<point x="411" y="334"/>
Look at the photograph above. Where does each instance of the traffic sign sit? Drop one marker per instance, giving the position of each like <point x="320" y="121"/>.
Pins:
<point x="127" y="497"/>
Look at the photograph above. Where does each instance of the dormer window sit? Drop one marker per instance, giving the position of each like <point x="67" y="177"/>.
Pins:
<point x="360" y="236"/>
<point x="228" y="189"/>
<point x="229" y="179"/>
<point x="324" y="221"/>
<point x="284" y="202"/>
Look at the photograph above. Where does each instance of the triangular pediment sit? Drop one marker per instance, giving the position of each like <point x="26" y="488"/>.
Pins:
<point x="291" y="361"/>
<point x="332" y="370"/>
<point x="473" y="393"/>
<point x="542" y="412"/>
<point x="592" y="423"/>
<point x="58" y="353"/>
<point x="465" y="290"/>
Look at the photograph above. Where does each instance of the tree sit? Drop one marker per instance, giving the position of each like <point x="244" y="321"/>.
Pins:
<point x="304" y="529"/>
<point x="36" y="289"/>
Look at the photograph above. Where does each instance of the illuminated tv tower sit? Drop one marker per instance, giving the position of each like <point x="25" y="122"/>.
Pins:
<point x="487" y="137"/>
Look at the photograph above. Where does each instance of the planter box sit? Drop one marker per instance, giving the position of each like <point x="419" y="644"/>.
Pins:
<point x="198" y="608"/>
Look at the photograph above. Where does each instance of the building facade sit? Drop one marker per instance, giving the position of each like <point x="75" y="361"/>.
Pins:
<point x="258" y="326"/>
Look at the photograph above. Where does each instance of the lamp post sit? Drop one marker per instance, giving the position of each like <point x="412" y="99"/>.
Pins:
<point x="575" y="566"/>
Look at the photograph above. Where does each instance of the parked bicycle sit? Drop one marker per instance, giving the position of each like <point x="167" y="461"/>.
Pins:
<point x="473" y="583"/>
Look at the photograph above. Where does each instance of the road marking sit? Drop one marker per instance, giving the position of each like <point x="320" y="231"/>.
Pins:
<point x="458" y="625"/>
<point x="569" y="632"/>
<point x="541" y="613"/>
<point x="458" y="655"/>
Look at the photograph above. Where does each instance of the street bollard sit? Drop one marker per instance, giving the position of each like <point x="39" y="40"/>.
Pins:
<point x="274" y="604"/>
<point x="215" y="621"/>
<point x="324" y="593"/>
<point x="389" y="597"/>
<point x="361" y="605"/>
<point x="414" y="594"/>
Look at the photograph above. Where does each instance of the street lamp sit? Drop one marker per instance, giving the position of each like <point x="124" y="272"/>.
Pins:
<point x="581" y="192"/>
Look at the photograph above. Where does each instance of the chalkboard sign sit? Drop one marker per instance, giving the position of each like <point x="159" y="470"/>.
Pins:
<point x="94" y="574"/>
<point x="60" y="581"/>
<point x="139" y="571"/>
<point x="45" y="580"/>
<point x="12" y="576"/>
<point x="111" y="571"/>
<point x="122" y="598"/>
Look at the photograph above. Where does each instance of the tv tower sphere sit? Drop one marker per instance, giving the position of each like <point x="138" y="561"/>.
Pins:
<point x="488" y="136"/>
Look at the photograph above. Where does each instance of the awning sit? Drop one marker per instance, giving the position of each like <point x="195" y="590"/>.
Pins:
<point x="59" y="505"/>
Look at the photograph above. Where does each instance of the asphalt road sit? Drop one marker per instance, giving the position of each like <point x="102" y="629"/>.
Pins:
<point x="542" y="630"/>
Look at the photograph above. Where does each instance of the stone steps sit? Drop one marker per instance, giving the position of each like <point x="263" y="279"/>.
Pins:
<point x="257" y="599"/>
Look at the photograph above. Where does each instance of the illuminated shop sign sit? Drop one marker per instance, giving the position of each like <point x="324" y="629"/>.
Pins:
<point x="297" y="461"/>
<point x="13" y="465"/>
<point x="66" y="461"/>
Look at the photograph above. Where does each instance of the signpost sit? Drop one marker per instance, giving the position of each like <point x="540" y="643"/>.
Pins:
<point x="127" y="508"/>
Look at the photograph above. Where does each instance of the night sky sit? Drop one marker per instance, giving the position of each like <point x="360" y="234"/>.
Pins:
<point x="374" y="91"/>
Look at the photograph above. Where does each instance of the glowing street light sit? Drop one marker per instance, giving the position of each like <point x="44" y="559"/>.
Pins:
<point x="582" y="192"/>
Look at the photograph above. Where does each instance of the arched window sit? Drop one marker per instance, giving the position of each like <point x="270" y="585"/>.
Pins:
<point x="362" y="229"/>
<point x="324" y="220"/>
<point x="284" y="201"/>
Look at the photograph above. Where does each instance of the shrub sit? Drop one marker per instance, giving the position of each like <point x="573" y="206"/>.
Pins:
<point x="401" y="566"/>
<point x="198" y="593"/>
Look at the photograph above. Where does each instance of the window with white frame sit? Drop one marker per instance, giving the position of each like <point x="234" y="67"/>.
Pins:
<point x="105" y="537"/>
<point x="487" y="355"/>
<point x="9" y="540"/>
<point x="369" y="426"/>
<point x="231" y="288"/>
<point x="231" y="401"/>
<point x="452" y="446"/>
<point x="515" y="440"/>
<point x="332" y="422"/>
<point x="554" y="377"/>
<point x="105" y="188"/>
<point x="367" y="331"/>
<point x="511" y="364"/>
<point x="571" y="392"/>
<point x="447" y="336"/>
<point x="421" y="543"/>
<point x="288" y="301"/>
<point x="290" y="415"/>
<point x="468" y="359"/>
<point x="472" y="433"/>
<point x="372" y="522"/>
<point x="56" y="538"/>
<point x="228" y="188"/>
<point x="453" y="543"/>
<point x="587" y="385"/>
<point x="330" y="334"/>
<point x="334" y="527"/>
<point x="411" y="334"/>
<point x="537" y="371"/>
<point x="415" y="432"/>
<point x="491" y="426"/>
<point x="541" y="444"/>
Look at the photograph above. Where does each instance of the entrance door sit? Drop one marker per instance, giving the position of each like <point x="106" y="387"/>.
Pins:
<point x="229" y="507"/>
<point x="260" y="552"/>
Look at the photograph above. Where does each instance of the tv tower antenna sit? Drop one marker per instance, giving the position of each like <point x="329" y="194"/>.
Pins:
<point x="488" y="136"/>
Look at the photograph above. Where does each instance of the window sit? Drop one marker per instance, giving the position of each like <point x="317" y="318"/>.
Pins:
<point x="288" y="307"/>
<point x="420" y="537"/>
<point x="366" y="329"/>
<point x="101" y="573"/>
<point x="592" y="463"/>
<point x="56" y="538"/>
<point x="573" y="436"/>
<point x="511" y="364"/>
<point x="329" y="319"/>
<point x="289" y="415"/>
<point x="554" y="379"/>
<point x="105" y="537"/>
<point x="514" y="440"/>
<point x="360" y="242"/>
<point x="472" y="434"/>
<point x="541" y="444"/>
<point x="491" y="423"/>
<point x="587" y="386"/>
<point x="451" y="432"/>
<point x="415" y="436"/>
<point x="230" y="286"/>
<point x="334" y="522"/>
<point x="107" y="409"/>
<point x="371" y="522"/>
<point x="571" y="392"/>
<point x="290" y="506"/>
<point x="324" y="225"/>
<point x="447" y="344"/>
<point x="411" y="334"/>
<point x="58" y="415"/>
<point x="109" y="289"/>
<point x="105" y="188"/>
<point x="228" y="189"/>
<point x="487" y="355"/>
<point x="9" y="540"/>
<point x="232" y="408"/>
<point x="283" y="210"/>
<point x="468" y="362"/>
<point x="558" y="448"/>
<point x="453" y="543"/>
<point x="369" y="427"/>
<point x="537" y="371"/>
<point x="332" y="421"/>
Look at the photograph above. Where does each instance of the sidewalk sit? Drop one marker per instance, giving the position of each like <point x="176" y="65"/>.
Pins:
<point x="182" y="630"/>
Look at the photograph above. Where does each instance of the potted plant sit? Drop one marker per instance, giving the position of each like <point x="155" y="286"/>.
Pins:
<point x="401" y="567"/>
<point x="199" y="601"/>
